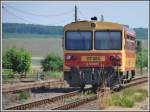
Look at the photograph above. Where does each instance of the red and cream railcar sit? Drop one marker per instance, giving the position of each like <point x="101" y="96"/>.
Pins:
<point x="95" y="50"/>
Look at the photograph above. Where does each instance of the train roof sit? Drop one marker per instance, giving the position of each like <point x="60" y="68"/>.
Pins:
<point x="89" y="22"/>
<point x="86" y="25"/>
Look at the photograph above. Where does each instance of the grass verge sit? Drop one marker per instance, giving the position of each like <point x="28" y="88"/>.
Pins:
<point x="53" y="74"/>
<point x="127" y="98"/>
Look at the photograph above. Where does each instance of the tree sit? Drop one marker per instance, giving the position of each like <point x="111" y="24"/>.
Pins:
<point x="17" y="60"/>
<point x="52" y="63"/>
<point x="142" y="59"/>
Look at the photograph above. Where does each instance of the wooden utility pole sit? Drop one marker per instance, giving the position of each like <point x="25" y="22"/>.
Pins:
<point x="102" y="18"/>
<point x="76" y="19"/>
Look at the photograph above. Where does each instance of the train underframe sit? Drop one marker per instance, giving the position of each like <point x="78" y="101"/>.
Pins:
<point x="97" y="77"/>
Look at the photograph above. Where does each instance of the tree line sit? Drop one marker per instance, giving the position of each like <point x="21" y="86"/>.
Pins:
<point x="31" y="29"/>
<point x="142" y="33"/>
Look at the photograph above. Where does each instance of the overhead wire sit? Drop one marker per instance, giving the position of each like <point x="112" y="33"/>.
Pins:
<point x="7" y="7"/>
<point x="41" y="15"/>
<point x="82" y="14"/>
<point x="27" y="21"/>
<point x="21" y="18"/>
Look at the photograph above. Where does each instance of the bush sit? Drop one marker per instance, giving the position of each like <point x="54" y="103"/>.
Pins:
<point x="17" y="60"/>
<point x="52" y="63"/>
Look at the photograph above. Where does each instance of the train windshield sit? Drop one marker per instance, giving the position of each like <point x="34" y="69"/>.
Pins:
<point x="78" y="40"/>
<point x="108" y="40"/>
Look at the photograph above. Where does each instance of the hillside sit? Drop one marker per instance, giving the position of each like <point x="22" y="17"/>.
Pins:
<point x="141" y="33"/>
<point x="16" y="30"/>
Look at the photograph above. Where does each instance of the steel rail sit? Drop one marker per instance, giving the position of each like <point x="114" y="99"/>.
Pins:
<point x="43" y="101"/>
<point x="139" y="80"/>
<point x="67" y="95"/>
<point x="32" y="85"/>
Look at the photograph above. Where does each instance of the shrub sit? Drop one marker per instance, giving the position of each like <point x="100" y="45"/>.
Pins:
<point x="17" y="60"/>
<point x="52" y="63"/>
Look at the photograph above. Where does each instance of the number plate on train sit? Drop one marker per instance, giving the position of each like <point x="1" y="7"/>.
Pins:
<point x="93" y="58"/>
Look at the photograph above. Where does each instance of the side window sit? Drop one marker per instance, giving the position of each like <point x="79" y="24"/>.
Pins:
<point x="130" y="43"/>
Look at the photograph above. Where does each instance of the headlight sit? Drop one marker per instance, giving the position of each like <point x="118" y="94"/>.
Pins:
<point x="118" y="58"/>
<point x="68" y="57"/>
<point x="71" y="57"/>
<point x="112" y="58"/>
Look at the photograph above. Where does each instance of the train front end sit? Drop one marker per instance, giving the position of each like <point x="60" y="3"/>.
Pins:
<point x="92" y="52"/>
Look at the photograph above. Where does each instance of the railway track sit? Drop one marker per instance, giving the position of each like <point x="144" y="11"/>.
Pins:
<point x="76" y="101"/>
<point x="135" y="81"/>
<point x="139" y="80"/>
<point x="43" y="101"/>
<point x="39" y="84"/>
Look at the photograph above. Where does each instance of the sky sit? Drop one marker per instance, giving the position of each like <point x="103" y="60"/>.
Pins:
<point x="134" y="14"/>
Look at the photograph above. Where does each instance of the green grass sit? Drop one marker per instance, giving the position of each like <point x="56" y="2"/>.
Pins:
<point x="7" y="72"/>
<point x="117" y="100"/>
<point x="38" y="47"/>
<point x="8" y="79"/>
<point x="24" y="95"/>
<point x="53" y="74"/>
<point x="136" y="94"/>
<point x="127" y="98"/>
<point x="28" y="35"/>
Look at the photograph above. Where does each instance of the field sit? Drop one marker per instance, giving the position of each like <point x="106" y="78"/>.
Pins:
<point x="27" y="35"/>
<point x="38" y="47"/>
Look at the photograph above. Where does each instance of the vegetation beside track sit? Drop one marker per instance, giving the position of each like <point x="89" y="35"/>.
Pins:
<point x="17" y="62"/>
<point x="52" y="62"/>
<point x="142" y="56"/>
<point x="35" y="76"/>
<point x="127" y="98"/>
<point x="24" y="95"/>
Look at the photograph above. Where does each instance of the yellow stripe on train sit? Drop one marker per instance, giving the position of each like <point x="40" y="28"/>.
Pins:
<point x="93" y="58"/>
